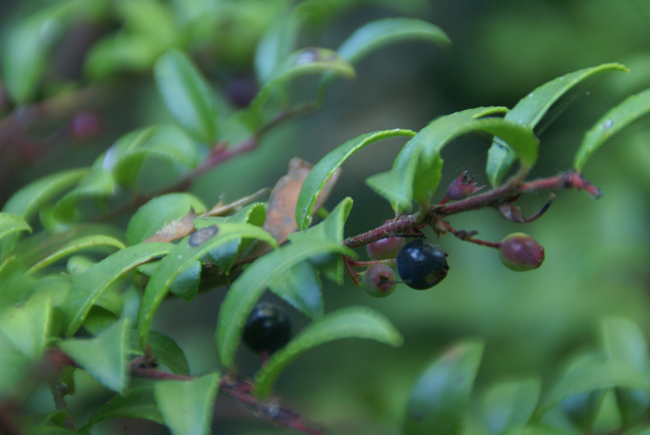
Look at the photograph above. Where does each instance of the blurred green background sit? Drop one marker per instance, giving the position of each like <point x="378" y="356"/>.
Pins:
<point x="597" y="252"/>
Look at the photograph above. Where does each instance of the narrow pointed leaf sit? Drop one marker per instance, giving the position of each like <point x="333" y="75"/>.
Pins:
<point x="187" y="94"/>
<point x="88" y="286"/>
<point x="251" y="284"/>
<point x="136" y="402"/>
<point x="97" y="184"/>
<point x="276" y="45"/>
<point x="301" y="288"/>
<point x="325" y="168"/>
<point x="531" y="109"/>
<point x="185" y="252"/>
<point x="168" y="353"/>
<point x="186" y="283"/>
<point x="351" y="322"/>
<point x="10" y="223"/>
<point x="26" y="202"/>
<point x="611" y="123"/>
<point x="158" y="212"/>
<point x="187" y="406"/>
<point x="440" y="400"/>
<point x="28" y="326"/>
<point x="74" y="246"/>
<point x="417" y="169"/>
<point x="103" y="357"/>
<point x="509" y="405"/>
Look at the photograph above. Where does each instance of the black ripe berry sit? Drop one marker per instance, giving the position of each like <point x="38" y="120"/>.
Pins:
<point x="267" y="329"/>
<point x="379" y="280"/>
<point x="521" y="252"/>
<point x="421" y="264"/>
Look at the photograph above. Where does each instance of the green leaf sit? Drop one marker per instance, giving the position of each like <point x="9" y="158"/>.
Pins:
<point x="350" y="322"/>
<point x="87" y="287"/>
<point x="531" y="109"/>
<point x="28" y="326"/>
<point x="187" y="406"/>
<point x="301" y="62"/>
<point x="158" y="212"/>
<point x="323" y="170"/>
<point x="168" y="353"/>
<point x="301" y="287"/>
<point x="26" y="201"/>
<point x="624" y="342"/>
<point x="98" y="183"/>
<point x="590" y="374"/>
<point x="583" y="408"/>
<point x="10" y="223"/>
<point x="632" y="405"/>
<point x="417" y="169"/>
<point x="509" y="405"/>
<point x="74" y="246"/>
<point x="103" y="357"/>
<point x="136" y="402"/>
<point x="276" y="45"/>
<point x="166" y="142"/>
<point x="380" y="33"/>
<point x="186" y="283"/>
<point x="612" y="122"/>
<point x="440" y="399"/>
<point x="187" y="94"/>
<point x="124" y="51"/>
<point x="249" y="286"/>
<point x="187" y="251"/>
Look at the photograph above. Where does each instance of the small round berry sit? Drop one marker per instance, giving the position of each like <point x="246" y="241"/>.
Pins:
<point x="85" y="126"/>
<point x="241" y="91"/>
<point x="521" y="252"/>
<point x="421" y="264"/>
<point x="267" y="329"/>
<point x="385" y="248"/>
<point x="379" y="280"/>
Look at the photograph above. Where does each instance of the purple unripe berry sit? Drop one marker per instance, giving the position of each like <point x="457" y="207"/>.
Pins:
<point x="85" y="126"/>
<point x="521" y="252"/>
<point x="267" y="329"/>
<point x="379" y="280"/>
<point x="385" y="248"/>
<point x="462" y="187"/>
<point x="422" y="264"/>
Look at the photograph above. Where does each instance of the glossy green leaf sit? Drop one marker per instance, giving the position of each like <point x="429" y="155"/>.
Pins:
<point x="251" y="284"/>
<point x="187" y="251"/>
<point x="88" y="286"/>
<point x="612" y="122"/>
<point x="187" y="94"/>
<point x="28" y="326"/>
<point x="330" y="230"/>
<point x="10" y="223"/>
<point x="301" y="62"/>
<point x="98" y="320"/>
<point x="417" y="169"/>
<point x="186" y="283"/>
<point x="26" y="201"/>
<point x="149" y="17"/>
<point x="124" y="51"/>
<point x="624" y="342"/>
<point x="440" y="399"/>
<point x="74" y="246"/>
<point x="166" y="142"/>
<point x="158" y="212"/>
<point x="509" y="405"/>
<point x="96" y="184"/>
<point x="168" y="353"/>
<point x="136" y="402"/>
<point x="590" y="374"/>
<point x="323" y="170"/>
<point x="350" y="322"/>
<point x="187" y="406"/>
<point x="301" y="287"/>
<point x="632" y="405"/>
<point x="531" y="109"/>
<point x="103" y="357"/>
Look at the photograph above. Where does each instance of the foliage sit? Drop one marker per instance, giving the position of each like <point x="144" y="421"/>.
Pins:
<point x="90" y="255"/>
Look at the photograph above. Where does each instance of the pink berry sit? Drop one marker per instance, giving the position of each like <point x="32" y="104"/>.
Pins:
<point x="521" y="252"/>
<point x="379" y="280"/>
<point x="385" y="249"/>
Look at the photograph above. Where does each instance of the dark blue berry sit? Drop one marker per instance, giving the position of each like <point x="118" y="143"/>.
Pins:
<point x="267" y="329"/>
<point x="421" y="264"/>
